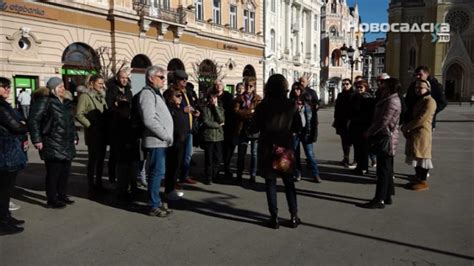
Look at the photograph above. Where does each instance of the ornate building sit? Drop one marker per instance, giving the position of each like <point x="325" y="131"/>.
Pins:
<point x="292" y="37"/>
<point x="339" y="24"/>
<point x="374" y="61"/>
<point x="450" y="62"/>
<point x="74" y="39"/>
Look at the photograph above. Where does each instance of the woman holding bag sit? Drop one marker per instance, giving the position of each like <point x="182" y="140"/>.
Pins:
<point x="12" y="157"/>
<point x="385" y="125"/>
<point x="53" y="133"/>
<point x="276" y="127"/>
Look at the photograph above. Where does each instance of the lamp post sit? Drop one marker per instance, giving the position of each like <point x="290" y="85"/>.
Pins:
<point x="347" y="55"/>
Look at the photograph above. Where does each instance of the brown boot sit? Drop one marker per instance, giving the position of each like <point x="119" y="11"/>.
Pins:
<point x="422" y="185"/>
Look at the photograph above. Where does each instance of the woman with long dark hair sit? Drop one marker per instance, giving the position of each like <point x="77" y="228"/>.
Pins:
<point x="276" y="127"/>
<point x="12" y="157"/>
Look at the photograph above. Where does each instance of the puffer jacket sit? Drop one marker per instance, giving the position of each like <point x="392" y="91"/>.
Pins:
<point x="12" y="157"/>
<point x="212" y="118"/>
<point x="51" y="122"/>
<point x="385" y="121"/>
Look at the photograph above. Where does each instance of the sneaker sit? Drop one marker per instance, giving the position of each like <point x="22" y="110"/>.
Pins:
<point x="174" y="195"/>
<point x="164" y="207"/>
<point x="13" y="207"/>
<point x="297" y="178"/>
<point x="159" y="212"/>
<point x="66" y="200"/>
<point x="317" y="179"/>
<point x="351" y="165"/>
<point x="421" y="186"/>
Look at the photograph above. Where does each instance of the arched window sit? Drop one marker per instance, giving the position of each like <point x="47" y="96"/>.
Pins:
<point x="173" y="65"/>
<point x="335" y="57"/>
<point x="249" y="71"/>
<point x="333" y="31"/>
<point x="272" y="41"/>
<point x="81" y="54"/>
<point x="140" y="62"/>
<point x="333" y="7"/>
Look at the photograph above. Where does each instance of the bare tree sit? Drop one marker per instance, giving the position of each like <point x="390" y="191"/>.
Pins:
<point x="205" y="73"/>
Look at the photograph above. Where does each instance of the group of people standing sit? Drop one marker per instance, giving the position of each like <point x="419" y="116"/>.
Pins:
<point x="157" y="128"/>
<point x="367" y="119"/>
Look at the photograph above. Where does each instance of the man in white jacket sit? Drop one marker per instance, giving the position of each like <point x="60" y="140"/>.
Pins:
<point x="25" y="100"/>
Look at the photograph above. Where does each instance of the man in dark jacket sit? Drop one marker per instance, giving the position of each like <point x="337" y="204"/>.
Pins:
<point x="423" y="73"/>
<point x="120" y="85"/>
<point x="311" y="98"/>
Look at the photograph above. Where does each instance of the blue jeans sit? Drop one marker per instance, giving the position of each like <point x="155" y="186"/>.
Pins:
<point x="156" y="161"/>
<point x="242" y="151"/>
<point x="310" y="157"/>
<point x="188" y="154"/>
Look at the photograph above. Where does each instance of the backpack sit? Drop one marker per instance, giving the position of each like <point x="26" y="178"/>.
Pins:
<point x="136" y="121"/>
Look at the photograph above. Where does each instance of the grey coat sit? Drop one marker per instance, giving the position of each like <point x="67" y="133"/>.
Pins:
<point x="156" y="118"/>
<point x="385" y="120"/>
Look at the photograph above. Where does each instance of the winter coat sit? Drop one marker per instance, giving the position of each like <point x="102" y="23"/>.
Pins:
<point x="90" y="112"/>
<point x="180" y="123"/>
<point x="157" y="119"/>
<point x="51" y="122"/>
<point x="127" y="148"/>
<point x="362" y="107"/>
<point x="311" y="98"/>
<point x="111" y="95"/>
<point x="418" y="131"/>
<point x="275" y="119"/>
<point x="437" y="94"/>
<point x="213" y="116"/>
<point x="386" y="118"/>
<point x="244" y="114"/>
<point x="226" y="100"/>
<point x="12" y="157"/>
<point x="342" y="112"/>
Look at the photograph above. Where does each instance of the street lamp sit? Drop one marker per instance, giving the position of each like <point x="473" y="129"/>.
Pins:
<point x="347" y="55"/>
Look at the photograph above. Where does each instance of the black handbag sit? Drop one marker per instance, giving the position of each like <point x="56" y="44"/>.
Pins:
<point x="380" y="144"/>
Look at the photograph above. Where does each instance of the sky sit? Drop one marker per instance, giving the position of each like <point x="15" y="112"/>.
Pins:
<point x="372" y="11"/>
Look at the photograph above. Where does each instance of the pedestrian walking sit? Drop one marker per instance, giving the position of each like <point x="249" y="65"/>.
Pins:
<point x="53" y="133"/>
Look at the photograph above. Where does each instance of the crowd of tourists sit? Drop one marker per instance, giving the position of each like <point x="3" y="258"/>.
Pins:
<point x="151" y="135"/>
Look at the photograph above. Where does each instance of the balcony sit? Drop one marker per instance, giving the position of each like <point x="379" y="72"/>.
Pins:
<point x="174" y="15"/>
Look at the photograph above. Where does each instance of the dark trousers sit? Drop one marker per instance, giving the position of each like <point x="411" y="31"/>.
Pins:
<point x="242" y="152"/>
<point x="212" y="159"/>
<point x="112" y="164"/>
<point x="346" y="145"/>
<point x="228" y="148"/>
<point x="385" y="186"/>
<point x="7" y="183"/>
<point x="95" y="165"/>
<point x="290" y="191"/>
<point x="361" y="153"/>
<point x="126" y="176"/>
<point x="174" y="165"/>
<point x="57" y="175"/>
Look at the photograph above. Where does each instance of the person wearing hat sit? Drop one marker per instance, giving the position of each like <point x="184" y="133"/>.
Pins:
<point x="188" y="105"/>
<point x="53" y="133"/>
<point x="418" y="134"/>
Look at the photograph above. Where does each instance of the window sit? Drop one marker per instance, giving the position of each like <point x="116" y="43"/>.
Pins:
<point x="272" y="5"/>
<point x="380" y="60"/>
<point x="333" y="31"/>
<point x="246" y="20"/>
<point x="199" y="10"/>
<point x="252" y="22"/>
<point x="333" y="7"/>
<point x="233" y="17"/>
<point x="272" y="40"/>
<point x="216" y="11"/>
<point x="315" y="22"/>
<point x="165" y="4"/>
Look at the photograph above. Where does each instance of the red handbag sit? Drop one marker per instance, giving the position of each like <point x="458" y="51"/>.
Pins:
<point x="283" y="159"/>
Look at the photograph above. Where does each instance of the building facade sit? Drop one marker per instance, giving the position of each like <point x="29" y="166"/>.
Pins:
<point x="450" y="62"/>
<point x="339" y="24"/>
<point x="73" y="39"/>
<point x="374" y="61"/>
<point x="292" y="37"/>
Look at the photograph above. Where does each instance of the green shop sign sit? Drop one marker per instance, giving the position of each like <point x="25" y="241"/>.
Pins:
<point x="77" y="72"/>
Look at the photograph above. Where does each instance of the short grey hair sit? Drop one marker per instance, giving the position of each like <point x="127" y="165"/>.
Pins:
<point x="153" y="70"/>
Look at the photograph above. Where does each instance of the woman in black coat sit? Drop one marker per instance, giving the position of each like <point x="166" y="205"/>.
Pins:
<point x="341" y="119"/>
<point x="53" y="133"/>
<point x="12" y="157"/>
<point x="276" y="127"/>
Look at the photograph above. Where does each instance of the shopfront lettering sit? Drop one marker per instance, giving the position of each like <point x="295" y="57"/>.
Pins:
<point x="230" y="47"/>
<point x="21" y="9"/>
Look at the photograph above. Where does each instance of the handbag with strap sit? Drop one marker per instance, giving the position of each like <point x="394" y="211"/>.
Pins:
<point x="283" y="159"/>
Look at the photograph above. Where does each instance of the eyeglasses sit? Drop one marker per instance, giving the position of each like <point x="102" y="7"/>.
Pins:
<point x="178" y="95"/>
<point x="346" y="84"/>
<point x="5" y="87"/>
<point x="360" y="87"/>
<point x="161" y="77"/>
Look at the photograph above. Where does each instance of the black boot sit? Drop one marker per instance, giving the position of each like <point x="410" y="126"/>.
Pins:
<point x="273" y="222"/>
<point x="14" y="221"/>
<point x="294" y="221"/>
<point x="7" y="228"/>
<point x="373" y="204"/>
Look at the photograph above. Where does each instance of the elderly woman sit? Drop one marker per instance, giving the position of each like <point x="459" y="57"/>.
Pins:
<point x="418" y="132"/>
<point x="276" y="127"/>
<point x="90" y="113"/>
<point x="53" y="133"/>
<point x="12" y="157"/>
<point x="385" y="125"/>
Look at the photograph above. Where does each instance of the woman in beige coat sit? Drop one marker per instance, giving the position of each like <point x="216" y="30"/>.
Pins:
<point x="418" y="133"/>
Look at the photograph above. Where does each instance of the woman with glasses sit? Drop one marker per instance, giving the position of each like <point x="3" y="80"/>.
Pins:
<point x="418" y="132"/>
<point x="362" y="106"/>
<point x="341" y="119"/>
<point x="12" y="157"/>
<point x="90" y="113"/>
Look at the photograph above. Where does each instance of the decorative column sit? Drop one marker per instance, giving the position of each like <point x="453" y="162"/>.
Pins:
<point x="287" y="8"/>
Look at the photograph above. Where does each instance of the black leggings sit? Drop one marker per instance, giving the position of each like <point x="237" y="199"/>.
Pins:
<point x="421" y="173"/>
<point x="7" y="183"/>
